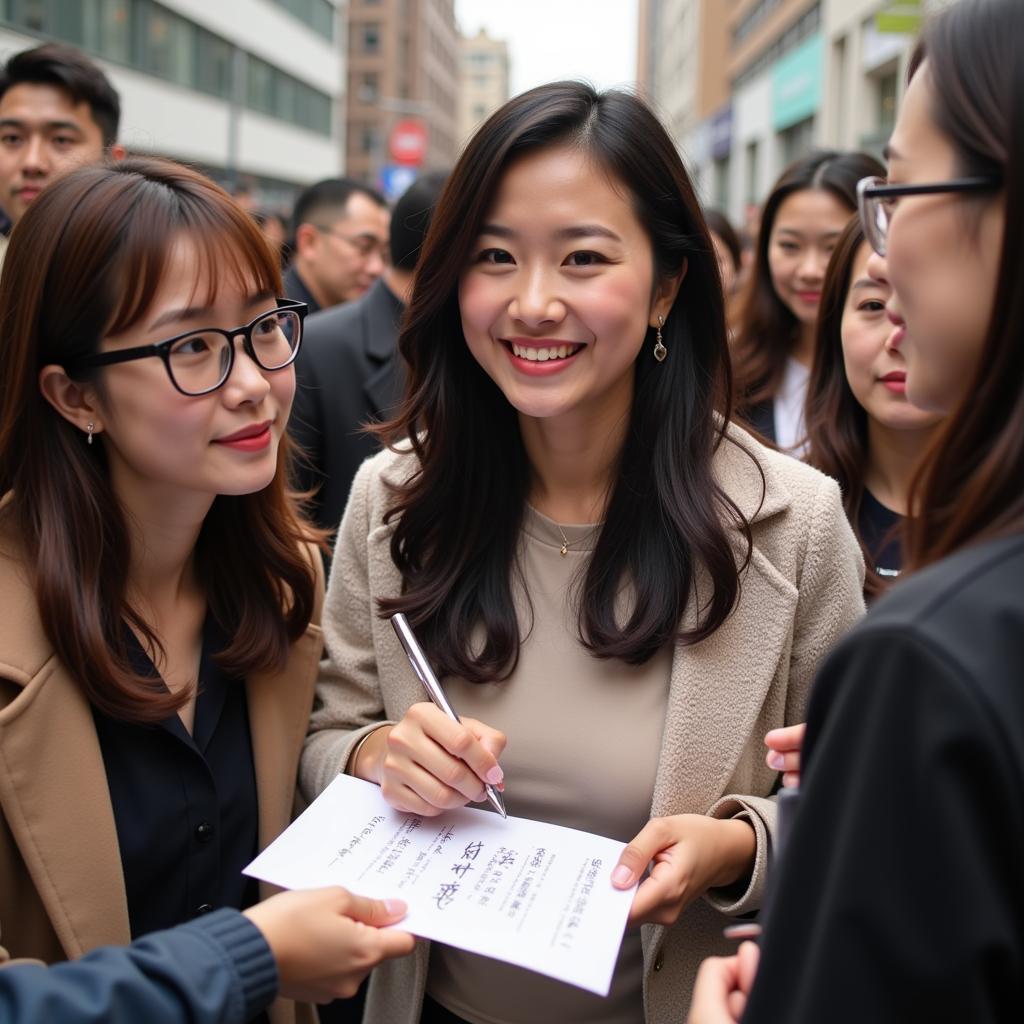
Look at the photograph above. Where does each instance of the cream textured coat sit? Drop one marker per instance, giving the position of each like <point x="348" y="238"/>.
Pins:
<point x="62" y="889"/>
<point x="800" y="593"/>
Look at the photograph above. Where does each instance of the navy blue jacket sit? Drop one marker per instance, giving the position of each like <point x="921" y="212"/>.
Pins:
<point x="217" y="969"/>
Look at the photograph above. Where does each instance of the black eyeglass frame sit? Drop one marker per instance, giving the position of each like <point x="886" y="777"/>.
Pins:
<point x="868" y="189"/>
<point x="163" y="348"/>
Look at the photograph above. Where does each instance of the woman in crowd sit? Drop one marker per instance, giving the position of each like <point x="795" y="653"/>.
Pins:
<point x="861" y="430"/>
<point x="161" y="593"/>
<point x="900" y="896"/>
<point x="601" y="567"/>
<point x="801" y="221"/>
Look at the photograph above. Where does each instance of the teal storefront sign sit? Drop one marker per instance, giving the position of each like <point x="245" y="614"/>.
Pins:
<point x="797" y="81"/>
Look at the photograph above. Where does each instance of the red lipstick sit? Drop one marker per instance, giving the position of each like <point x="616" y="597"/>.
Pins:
<point x="253" y="438"/>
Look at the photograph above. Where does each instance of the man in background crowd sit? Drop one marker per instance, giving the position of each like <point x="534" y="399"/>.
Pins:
<point x="348" y="370"/>
<point x="341" y="241"/>
<point x="58" y="111"/>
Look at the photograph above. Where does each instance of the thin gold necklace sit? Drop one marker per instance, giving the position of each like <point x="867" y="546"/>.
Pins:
<point x="564" y="549"/>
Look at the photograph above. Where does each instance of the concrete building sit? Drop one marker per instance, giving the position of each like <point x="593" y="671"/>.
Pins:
<point x="403" y="64"/>
<point x="681" y="64"/>
<point x="484" y="80"/>
<point x="249" y="90"/>
<point x="867" y="72"/>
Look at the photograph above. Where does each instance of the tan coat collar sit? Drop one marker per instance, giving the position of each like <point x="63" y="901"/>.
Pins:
<point x="53" y="787"/>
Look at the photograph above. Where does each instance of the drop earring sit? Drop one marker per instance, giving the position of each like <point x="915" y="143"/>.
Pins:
<point x="659" y="346"/>
<point x="90" y="427"/>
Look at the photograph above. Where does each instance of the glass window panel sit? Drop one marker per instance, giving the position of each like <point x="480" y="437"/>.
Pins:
<point x="260" y="85"/>
<point x="30" y="14"/>
<point x="107" y="28"/>
<point x="214" y="65"/>
<point x="284" y="100"/>
<point x="67" y="22"/>
<point x="168" y="45"/>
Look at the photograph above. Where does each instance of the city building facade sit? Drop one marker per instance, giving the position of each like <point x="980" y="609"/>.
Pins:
<point x="403" y="66"/>
<point x="484" y="81"/>
<point x="251" y="91"/>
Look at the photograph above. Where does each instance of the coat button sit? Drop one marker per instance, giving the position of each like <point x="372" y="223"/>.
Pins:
<point x="659" y="961"/>
<point x="204" y="908"/>
<point x="204" y="832"/>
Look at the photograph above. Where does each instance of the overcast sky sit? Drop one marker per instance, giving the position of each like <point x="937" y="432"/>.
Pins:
<point x="553" y="39"/>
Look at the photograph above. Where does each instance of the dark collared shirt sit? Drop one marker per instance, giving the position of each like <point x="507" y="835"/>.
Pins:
<point x="185" y="806"/>
<point x="295" y="288"/>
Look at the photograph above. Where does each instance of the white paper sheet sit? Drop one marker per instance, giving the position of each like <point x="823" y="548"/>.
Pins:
<point x="522" y="891"/>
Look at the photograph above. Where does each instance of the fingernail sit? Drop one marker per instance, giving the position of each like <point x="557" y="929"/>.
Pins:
<point x="394" y="907"/>
<point x="776" y="760"/>
<point x="495" y="775"/>
<point x="622" y="875"/>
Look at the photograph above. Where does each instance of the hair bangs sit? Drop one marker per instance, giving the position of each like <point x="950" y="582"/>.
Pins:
<point x="228" y="250"/>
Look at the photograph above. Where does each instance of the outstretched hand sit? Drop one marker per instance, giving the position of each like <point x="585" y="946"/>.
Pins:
<point x="690" y="853"/>
<point x="326" y="941"/>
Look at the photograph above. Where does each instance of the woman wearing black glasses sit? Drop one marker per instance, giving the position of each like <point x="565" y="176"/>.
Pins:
<point x="160" y="590"/>
<point x="901" y="893"/>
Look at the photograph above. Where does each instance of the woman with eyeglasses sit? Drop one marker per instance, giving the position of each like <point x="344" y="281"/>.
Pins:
<point x="161" y="591"/>
<point x="773" y="349"/>
<point x="901" y="894"/>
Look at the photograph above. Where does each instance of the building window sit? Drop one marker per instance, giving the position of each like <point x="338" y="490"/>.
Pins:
<point x="371" y="37"/>
<point x="753" y="175"/>
<point x="317" y="14"/>
<point x="167" y="45"/>
<point x="797" y="140"/>
<point x="369" y="88"/>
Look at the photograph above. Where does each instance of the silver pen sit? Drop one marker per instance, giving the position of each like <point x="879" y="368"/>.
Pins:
<point x="426" y="676"/>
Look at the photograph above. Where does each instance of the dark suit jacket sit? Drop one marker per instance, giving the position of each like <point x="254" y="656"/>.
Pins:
<point x="901" y="891"/>
<point x="347" y="373"/>
<point x="295" y="288"/>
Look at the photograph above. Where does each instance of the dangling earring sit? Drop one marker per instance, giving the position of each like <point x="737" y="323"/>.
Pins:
<point x="90" y="427"/>
<point x="659" y="346"/>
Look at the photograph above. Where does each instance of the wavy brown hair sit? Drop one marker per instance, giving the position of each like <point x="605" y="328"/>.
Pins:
<point x="457" y="520"/>
<point x="84" y="262"/>
<point x="971" y="486"/>
<point x="837" y="424"/>
<point x="767" y="331"/>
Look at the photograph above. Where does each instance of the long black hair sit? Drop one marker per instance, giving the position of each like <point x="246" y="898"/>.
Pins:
<point x="767" y="330"/>
<point x="971" y="485"/>
<point x="457" y="520"/>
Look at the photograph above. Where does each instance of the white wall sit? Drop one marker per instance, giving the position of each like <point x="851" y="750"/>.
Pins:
<point x="752" y="121"/>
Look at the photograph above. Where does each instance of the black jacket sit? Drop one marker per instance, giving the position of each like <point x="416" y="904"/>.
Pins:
<point x="901" y="891"/>
<point x="347" y="373"/>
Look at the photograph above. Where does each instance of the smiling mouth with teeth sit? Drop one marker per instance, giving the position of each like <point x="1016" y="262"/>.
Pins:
<point x="543" y="355"/>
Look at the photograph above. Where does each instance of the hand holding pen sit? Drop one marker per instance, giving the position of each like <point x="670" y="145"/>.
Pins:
<point x="430" y="762"/>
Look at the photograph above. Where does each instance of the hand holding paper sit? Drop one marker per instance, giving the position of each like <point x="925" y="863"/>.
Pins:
<point x="530" y="893"/>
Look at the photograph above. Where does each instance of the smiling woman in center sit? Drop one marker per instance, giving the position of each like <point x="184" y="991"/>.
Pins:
<point x="606" y="574"/>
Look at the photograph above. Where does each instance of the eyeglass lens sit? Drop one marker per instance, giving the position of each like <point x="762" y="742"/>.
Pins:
<point x="202" y="361"/>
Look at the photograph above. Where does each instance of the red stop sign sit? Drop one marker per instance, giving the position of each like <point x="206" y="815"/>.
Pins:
<point x="408" y="143"/>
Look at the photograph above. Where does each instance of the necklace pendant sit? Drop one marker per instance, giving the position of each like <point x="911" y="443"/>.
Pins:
<point x="564" y="550"/>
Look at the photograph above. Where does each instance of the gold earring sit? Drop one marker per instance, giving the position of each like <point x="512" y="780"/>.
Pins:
<point x="659" y="346"/>
<point x="90" y="427"/>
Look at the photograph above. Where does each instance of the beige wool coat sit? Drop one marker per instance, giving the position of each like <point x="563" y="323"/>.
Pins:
<point x="800" y="593"/>
<point x="62" y="890"/>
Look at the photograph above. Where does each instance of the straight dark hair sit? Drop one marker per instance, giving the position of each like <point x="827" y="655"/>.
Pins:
<point x="971" y="486"/>
<point x="85" y="262"/>
<point x="837" y="424"/>
<point x="767" y="331"/>
<point x="68" y="69"/>
<point x="457" y="520"/>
